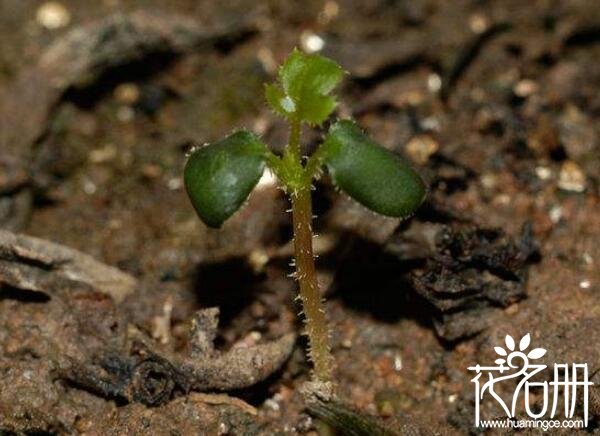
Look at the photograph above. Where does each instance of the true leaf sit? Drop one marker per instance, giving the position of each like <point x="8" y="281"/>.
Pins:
<point x="219" y="177"/>
<point x="304" y="84"/>
<point x="278" y="101"/>
<point x="370" y="174"/>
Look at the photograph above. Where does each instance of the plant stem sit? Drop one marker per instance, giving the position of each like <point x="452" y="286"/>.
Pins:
<point x="294" y="144"/>
<point x="314" y="313"/>
<point x="315" y="162"/>
<point x="298" y="186"/>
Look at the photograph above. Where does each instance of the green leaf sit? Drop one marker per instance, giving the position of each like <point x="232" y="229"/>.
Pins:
<point x="304" y="84"/>
<point x="278" y="101"/>
<point x="219" y="177"/>
<point x="370" y="174"/>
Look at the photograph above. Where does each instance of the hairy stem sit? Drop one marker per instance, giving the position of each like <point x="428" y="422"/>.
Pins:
<point x="294" y="144"/>
<point x="315" y="162"/>
<point x="298" y="186"/>
<point x="314" y="313"/>
<point x="297" y="183"/>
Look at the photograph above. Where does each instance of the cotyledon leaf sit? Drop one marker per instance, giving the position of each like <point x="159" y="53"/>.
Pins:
<point x="370" y="174"/>
<point x="219" y="177"/>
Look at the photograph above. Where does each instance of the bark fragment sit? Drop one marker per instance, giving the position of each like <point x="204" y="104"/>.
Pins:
<point x="141" y="373"/>
<point x="40" y="266"/>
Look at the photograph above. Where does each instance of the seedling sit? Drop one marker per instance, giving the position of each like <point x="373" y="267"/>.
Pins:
<point x="220" y="176"/>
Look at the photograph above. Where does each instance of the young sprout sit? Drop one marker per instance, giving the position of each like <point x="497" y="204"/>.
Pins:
<point x="219" y="177"/>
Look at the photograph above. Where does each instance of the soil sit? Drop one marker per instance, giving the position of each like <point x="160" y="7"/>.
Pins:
<point x="497" y="103"/>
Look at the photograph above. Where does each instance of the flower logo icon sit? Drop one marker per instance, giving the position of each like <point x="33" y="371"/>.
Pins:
<point x="515" y="370"/>
<point x="524" y="343"/>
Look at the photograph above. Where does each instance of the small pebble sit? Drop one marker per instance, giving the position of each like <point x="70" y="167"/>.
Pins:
<point x="397" y="363"/>
<point x="53" y="15"/>
<point x="250" y="340"/>
<point x="258" y="258"/>
<point x="555" y="214"/>
<point x="175" y="183"/>
<point x="488" y="181"/>
<point x="421" y="147"/>
<point x="543" y="173"/>
<point x="103" y="154"/>
<point x="162" y="323"/>
<point x="434" y="83"/>
<point x="571" y="177"/>
<point x="305" y="424"/>
<point x="478" y="23"/>
<point x="267" y="60"/>
<point x="258" y="310"/>
<point x="127" y="93"/>
<point x="260" y="125"/>
<point x="431" y="124"/>
<point x="89" y="187"/>
<point x="502" y="200"/>
<point x="125" y="114"/>
<point x="271" y="404"/>
<point x="524" y="88"/>
<point x="330" y="11"/>
<point x="223" y="429"/>
<point x="512" y="309"/>
<point x="585" y="284"/>
<point x="151" y="171"/>
<point x="413" y="97"/>
<point x="311" y="42"/>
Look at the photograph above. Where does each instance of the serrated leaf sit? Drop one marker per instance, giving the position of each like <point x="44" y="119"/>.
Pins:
<point x="302" y="74"/>
<point x="278" y="101"/>
<point x="315" y="108"/>
<point x="370" y="174"/>
<point x="219" y="177"/>
<point x="304" y="84"/>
